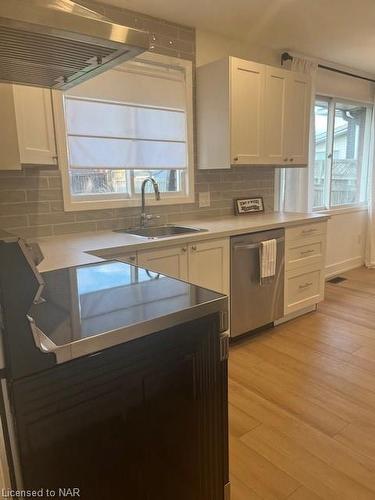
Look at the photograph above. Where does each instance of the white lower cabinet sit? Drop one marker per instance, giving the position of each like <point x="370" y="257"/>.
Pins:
<point x="203" y="263"/>
<point x="305" y="248"/>
<point x="172" y="261"/>
<point x="209" y="264"/>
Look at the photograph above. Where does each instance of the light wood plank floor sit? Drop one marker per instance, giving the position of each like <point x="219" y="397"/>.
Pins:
<point x="302" y="402"/>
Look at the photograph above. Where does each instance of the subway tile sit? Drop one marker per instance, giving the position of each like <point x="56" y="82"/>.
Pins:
<point x="13" y="221"/>
<point x="44" y="195"/>
<point x="51" y="218"/>
<point x="56" y="206"/>
<point x="78" y="227"/>
<point x="32" y="231"/>
<point x="23" y="208"/>
<point x="41" y="171"/>
<point x="12" y="196"/>
<point x="94" y="215"/>
<point x="54" y="182"/>
<point x="8" y="183"/>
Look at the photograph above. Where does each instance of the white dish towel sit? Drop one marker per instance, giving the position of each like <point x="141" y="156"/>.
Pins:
<point x="268" y="251"/>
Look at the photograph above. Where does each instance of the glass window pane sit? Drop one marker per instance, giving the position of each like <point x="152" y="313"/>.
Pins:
<point x="91" y="152"/>
<point x="100" y="181"/>
<point x="170" y="181"/>
<point x="115" y="120"/>
<point x="348" y="149"/>
<point x="321" y="153"/>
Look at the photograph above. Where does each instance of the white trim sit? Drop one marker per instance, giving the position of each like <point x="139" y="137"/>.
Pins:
<point x="342" y="210"/>
<point x="343" y="266"/>
<point x="168" y="199"/>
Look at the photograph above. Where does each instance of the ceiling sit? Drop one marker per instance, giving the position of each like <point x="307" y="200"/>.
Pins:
<point x="341" y="31"/>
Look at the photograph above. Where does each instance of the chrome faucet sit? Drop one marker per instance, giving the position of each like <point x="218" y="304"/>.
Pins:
<point x="144" y="216"/>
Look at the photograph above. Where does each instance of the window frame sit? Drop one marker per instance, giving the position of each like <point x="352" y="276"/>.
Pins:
<point x="108" y="201"/>
<point x="328" y="208"/>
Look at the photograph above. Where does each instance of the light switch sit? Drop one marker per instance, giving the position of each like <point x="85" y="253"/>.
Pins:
<point x="204" y="199"/>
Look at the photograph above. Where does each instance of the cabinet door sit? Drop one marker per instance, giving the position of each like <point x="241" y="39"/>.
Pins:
<point x="34" y="116"/>
<point x="274" y="115"/>
<point x="297" y="118"/>
<point x="247" y="89"/>
<point x="171" y="261"/>
<point x="303" y="287"/>
<point x="209" y="264"/>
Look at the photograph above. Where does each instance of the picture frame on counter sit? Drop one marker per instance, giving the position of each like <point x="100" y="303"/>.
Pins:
<point x="243" y="206"/>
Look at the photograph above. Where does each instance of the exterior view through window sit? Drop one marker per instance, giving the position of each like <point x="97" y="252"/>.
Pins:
<point x="342" y="139"/>
<point x="125" y="125"/>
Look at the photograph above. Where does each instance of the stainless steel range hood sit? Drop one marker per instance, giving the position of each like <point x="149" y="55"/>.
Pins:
<point x="58" y="43"/>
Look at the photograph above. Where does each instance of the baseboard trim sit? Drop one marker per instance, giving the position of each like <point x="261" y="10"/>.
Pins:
<point x="343" y="266"/>
<point x="295" y="314"/>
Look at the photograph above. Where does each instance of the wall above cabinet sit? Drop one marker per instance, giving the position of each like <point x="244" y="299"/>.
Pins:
<point x="252" y="114"/>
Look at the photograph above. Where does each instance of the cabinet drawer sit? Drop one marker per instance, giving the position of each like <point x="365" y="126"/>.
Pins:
<point x="302" y="290"/>
<point x="305" y="231"/>
<point x="300" y="253"/>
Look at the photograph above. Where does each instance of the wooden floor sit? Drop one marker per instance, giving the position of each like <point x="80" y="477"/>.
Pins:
<point x="302" y="402"/>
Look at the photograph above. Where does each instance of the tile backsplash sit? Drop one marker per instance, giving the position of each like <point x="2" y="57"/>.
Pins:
<point x="31" y="202"/>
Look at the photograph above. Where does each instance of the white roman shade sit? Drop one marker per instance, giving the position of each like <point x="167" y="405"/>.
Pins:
<point x="122" y="120"/>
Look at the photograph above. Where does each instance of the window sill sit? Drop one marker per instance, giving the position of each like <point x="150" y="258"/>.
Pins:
<point x="342" y="210"/>
<point x="77" y="206"/>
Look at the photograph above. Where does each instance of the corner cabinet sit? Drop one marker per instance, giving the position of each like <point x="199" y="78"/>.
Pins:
<point x="30" y="114"/>
<point x="252" y="114"/>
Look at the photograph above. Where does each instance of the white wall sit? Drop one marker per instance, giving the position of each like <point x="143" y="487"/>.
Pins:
<point x="346" y="238"/>
<point x="210" y="47"/>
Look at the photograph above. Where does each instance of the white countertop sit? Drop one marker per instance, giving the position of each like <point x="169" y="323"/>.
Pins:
<point x="72" y="249"/>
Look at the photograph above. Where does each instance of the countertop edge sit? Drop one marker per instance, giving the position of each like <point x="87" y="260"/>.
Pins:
<point x="79" y="253"/>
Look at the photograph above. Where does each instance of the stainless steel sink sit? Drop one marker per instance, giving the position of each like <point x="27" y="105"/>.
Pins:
<point x="160" y="231"/>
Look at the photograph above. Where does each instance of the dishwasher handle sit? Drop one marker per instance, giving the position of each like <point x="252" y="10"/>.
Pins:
<point x="252" y="246"/>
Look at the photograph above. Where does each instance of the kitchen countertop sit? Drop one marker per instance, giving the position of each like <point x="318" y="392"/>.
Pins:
<point x="75" y="249"/>
<point x="93" y="307"/>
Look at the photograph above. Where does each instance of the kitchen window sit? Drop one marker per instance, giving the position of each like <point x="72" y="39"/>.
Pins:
<point x="342" y="143"/>
<point x="124" y="125"/>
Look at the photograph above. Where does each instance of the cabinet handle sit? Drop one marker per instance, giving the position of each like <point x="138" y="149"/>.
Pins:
<point x="291" y="159"/>
<point x="132" y="258"/>
<point x="306" y="285"/>
<point x="194" y="248"/>
<point x="308" y="231"/>
<point x="183" y="249"/>
<point x="306" y="252"/>
<point x="235" y="158"/>
<point x="285" y="159"/>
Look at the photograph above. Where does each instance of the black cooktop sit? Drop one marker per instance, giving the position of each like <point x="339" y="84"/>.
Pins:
<point x="85" y="301"/>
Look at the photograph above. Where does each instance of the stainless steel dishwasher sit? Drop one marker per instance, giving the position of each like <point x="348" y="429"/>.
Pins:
<point x="255" y="304"/>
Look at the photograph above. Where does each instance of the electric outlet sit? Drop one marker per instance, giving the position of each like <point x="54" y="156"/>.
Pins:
<point x="204" y="199"/>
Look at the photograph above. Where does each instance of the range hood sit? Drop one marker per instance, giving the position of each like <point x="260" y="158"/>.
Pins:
<point x="58" y="43"/>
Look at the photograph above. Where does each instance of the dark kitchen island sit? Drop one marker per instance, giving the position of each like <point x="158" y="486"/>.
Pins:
<point x="121" y="389"/>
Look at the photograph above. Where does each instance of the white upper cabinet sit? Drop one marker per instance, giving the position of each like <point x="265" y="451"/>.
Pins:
<point x="297" y="118"/>
<point x="251" y="114"/>
<point x="28" y="134"/>
<point x="34" y="118"/>
<point x="246" y="105"/>
<point x="275" y="111"/>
